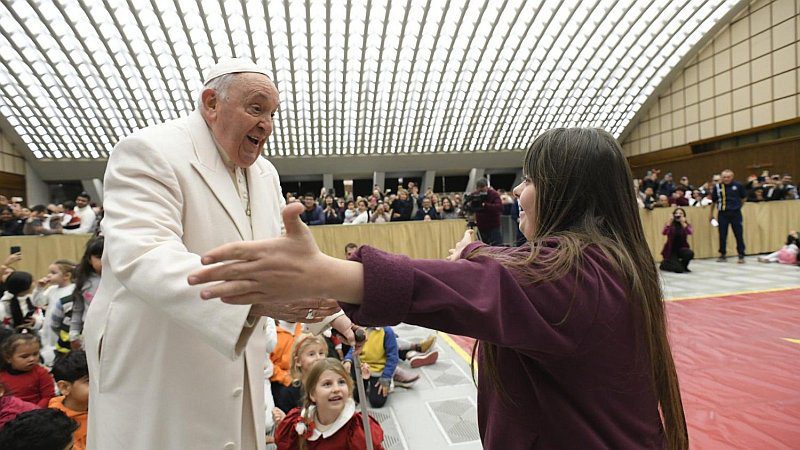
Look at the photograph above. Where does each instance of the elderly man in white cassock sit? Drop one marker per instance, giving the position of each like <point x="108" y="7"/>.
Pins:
<point x="167" y="370"/>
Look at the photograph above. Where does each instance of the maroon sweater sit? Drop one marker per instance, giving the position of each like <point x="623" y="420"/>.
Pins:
<point x="582" y="382"/>
<point x="35" y="386"/>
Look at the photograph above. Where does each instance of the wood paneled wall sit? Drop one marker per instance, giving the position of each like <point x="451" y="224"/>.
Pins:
<point x="12" y="185"/>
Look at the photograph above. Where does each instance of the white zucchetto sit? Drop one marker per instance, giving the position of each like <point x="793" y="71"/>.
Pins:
<point x="233" y="65"/>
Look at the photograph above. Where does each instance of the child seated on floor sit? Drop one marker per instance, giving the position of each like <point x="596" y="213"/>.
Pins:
<point x="281" y="357"/>
<point x="306" y="351"/>
<point x="11" y="407"/>
<point x="380" y="353"/>
<point x="328" y="419"/>
<point x="40" y="429"/>
<point x="21" y="372"/>
<point x="17" y="310"/>
<point x="787" y="254"/>
<point x="72" y="378"/>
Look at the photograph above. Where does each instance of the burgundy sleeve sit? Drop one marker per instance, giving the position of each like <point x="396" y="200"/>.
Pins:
<point x="285" y="435"/>
<point x="479" y="298"/>
<point x="46" y="387"/>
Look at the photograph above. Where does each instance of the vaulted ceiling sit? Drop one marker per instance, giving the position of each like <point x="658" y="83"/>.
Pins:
<point x="356" y="77"/>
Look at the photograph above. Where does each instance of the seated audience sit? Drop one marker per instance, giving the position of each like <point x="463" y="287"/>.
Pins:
<point x="87" y="280"/>
<point x="380" y="215"/>
<point x="787" y="254"/>
<point x="72" y="378"/>
<point x="40" y="429"/>
<point x="426" y="211"/>
<point x="448" y="210"/>
<point x="10" y="225"/>
<point x="21" y="372"/>
<point x="17" y="308"/>
<point x="281" y="357"/>
<point x="401" y="207"/>
<point x="350" y="213"/>
<point x="328" y="418"/>
<point x="86" y="213"/>
<point x="679" y="197"/>
<point x="313" y="214"/>
<point x="11" y="407"/>
<point x="362" y="214"/>
<point x="380" y="353"/>
<point x="676" y="251"/>
<point x="36" y="223"/>
<point x="331" y="211"/>
<point x="648" y="198"/>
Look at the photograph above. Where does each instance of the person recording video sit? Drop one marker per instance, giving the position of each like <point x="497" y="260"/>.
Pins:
<point x="485" y="202"/>
<point x="676" y="251"/>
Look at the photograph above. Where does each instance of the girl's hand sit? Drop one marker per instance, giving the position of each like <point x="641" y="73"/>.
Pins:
<point x="44" y="281"/>
<point x="455" y="253"/>
<point x="277" y="415"/>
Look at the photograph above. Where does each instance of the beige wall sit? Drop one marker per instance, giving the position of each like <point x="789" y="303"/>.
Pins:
<point x="746" y="77"/>
<point x="10" y="160"/>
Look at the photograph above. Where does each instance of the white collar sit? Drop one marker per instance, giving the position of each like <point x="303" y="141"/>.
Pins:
<point x="344" y="417"/>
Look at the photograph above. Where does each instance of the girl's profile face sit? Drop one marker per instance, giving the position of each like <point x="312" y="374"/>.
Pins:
<point x="525" y="192"/>
<point x="96" y="263"/>
<point x="310" y="355"/>
<point x="330" y="393"/>
<point x="25" y="357"/>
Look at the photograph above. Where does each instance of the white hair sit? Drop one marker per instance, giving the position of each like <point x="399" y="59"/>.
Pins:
<point x="220" y="85"/>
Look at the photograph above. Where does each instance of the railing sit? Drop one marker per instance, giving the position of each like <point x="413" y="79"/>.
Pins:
<point x="765" y="228"/>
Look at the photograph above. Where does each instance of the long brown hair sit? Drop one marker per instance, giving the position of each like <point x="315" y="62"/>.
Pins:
<point x="310" y="380"/>
<point x="582" y="197"/>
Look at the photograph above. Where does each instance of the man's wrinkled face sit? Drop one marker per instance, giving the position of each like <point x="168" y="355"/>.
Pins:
<point x="241" y="120"/>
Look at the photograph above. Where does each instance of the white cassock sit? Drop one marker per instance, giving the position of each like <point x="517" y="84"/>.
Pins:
<point x="167" y="369"/>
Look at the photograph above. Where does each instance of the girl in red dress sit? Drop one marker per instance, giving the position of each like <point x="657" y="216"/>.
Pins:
<point x="329" y="419"/>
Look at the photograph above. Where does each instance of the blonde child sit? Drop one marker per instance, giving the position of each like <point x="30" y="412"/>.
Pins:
<point x="21" y="372"/>
<point x="54" y="293"/>
<point x="281" y="358"/>
<point x="328" y="418"/>
<point x="306" y="350"/>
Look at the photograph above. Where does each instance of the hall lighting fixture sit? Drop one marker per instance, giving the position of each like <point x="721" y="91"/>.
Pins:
<point x="355" y="76"/>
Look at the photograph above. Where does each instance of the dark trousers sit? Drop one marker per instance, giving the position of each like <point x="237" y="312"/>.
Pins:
<point x="286" y="397"/>
<point x="734" y="219"/>
<point x="678" y="262"/>
<point x="376" y="400"/>
<point x="492" y="237"/>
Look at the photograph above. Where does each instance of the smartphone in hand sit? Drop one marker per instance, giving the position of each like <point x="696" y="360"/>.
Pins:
<point x="15" y="249"/>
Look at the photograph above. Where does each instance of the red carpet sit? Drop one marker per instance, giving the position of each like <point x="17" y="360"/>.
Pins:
<point x="740" y="376"/>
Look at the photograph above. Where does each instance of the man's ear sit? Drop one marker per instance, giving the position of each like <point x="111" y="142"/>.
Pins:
<point x="209" y="101"/>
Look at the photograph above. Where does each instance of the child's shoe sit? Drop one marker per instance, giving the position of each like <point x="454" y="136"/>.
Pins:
<point x="427" y="343"/>
<point x="404" y="377"/>
<point x="426" y="359"/>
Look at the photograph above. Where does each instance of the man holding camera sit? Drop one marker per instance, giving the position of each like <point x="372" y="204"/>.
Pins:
<point x="487" y="206"/>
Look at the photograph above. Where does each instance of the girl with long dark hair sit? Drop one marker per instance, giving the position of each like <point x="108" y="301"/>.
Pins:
<point x="573" y="343"/>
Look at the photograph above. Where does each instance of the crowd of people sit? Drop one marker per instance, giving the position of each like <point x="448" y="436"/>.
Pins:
<point x="176" y="359"/>
<point x="665" y="193"/>
<point x="43" y="364"/>
<point x="78" y="217"/>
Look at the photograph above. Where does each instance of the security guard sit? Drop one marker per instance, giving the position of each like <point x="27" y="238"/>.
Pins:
<point x="729" y="196"/>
